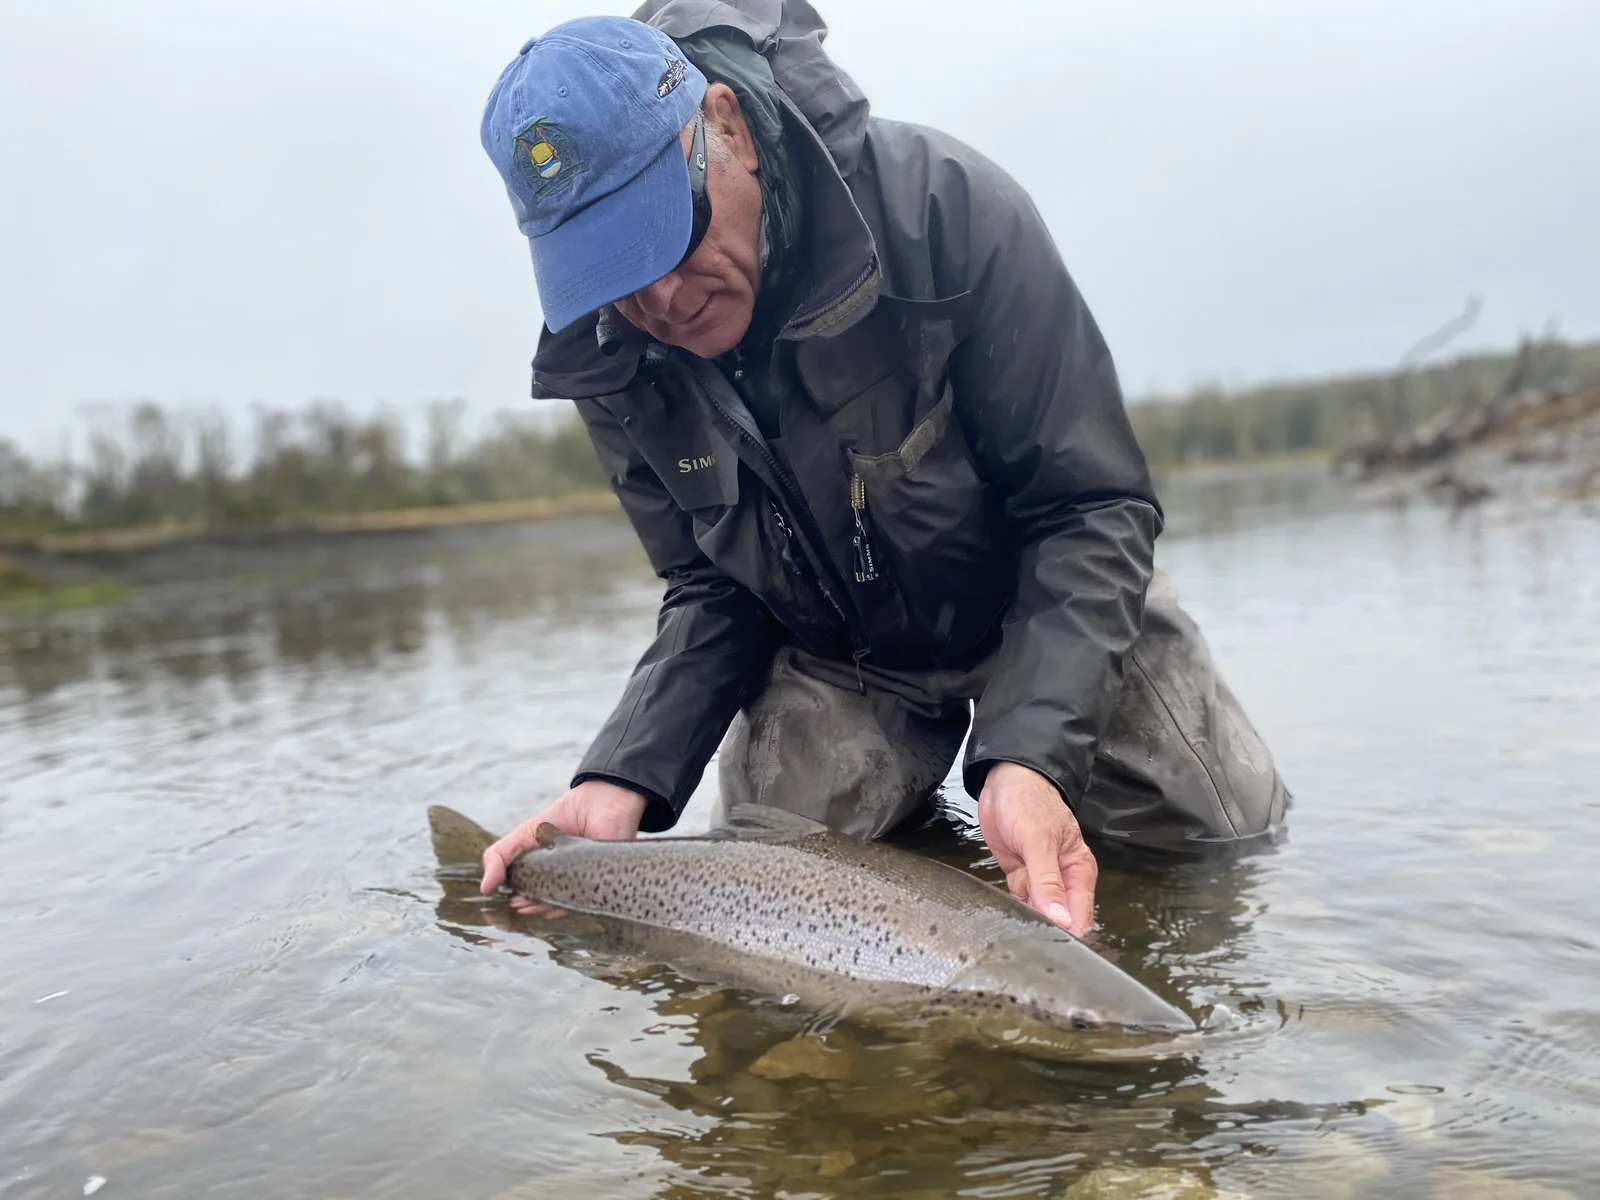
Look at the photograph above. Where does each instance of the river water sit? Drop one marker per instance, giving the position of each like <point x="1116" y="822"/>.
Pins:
<point x="227" y="967"/>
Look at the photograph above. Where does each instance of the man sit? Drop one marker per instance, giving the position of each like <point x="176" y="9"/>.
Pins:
<point x="869" y="434"/>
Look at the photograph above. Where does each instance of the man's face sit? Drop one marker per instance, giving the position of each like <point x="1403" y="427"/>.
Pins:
<point x="704" y="304"/>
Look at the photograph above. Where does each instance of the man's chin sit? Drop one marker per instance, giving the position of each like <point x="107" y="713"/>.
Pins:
<point x="717" y="338"/>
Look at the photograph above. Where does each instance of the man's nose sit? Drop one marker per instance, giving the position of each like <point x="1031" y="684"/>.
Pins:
<point x="657" y="299"/>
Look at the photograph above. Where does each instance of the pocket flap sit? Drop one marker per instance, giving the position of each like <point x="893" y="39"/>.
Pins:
<point x="912" y="339"/>
<point x="906" y="457"/>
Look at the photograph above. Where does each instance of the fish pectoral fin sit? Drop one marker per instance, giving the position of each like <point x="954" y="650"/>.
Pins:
<point x="759" y="822"/>
<point x="457" y="840"/>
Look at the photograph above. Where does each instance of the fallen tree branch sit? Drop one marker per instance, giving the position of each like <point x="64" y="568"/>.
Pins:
<point x="1513" y="405"/>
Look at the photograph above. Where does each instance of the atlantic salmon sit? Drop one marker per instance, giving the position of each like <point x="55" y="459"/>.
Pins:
<point x="778" y="903"/>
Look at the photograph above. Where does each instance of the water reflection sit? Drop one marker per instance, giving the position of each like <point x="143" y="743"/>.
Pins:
<point x="236" y="612"/>
<point x="1228" y="500"/>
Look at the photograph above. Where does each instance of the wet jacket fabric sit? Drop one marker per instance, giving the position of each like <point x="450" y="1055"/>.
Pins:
<point x="953" y="475"/>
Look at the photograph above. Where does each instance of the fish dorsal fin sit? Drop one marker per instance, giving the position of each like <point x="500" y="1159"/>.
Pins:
<point x="550" y="837"/>
<point x="760" y="822"/>
<point x="457" y="840"/>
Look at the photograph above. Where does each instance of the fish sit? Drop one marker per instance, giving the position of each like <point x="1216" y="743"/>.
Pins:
<point x="777" y="903"/>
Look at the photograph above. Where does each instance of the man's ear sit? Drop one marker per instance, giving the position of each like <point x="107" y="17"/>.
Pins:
<point x="722" y="110"/>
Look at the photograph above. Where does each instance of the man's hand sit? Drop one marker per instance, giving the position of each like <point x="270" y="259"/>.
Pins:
<point x="1036" y="840"/>
<point x="593" y="809"/>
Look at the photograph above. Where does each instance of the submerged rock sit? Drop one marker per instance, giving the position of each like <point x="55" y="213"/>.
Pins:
<point x="1465" y="1183"/>
<point x="1334" y="1166"/>
<point x="836" y="1163"/>
<point x="145" y="1145"/>
<point x="807" y="1057"/>
<point x="1144" y="1183"/>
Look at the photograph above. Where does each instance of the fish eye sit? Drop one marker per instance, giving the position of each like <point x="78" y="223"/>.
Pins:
<point x="1084" y="1019"/>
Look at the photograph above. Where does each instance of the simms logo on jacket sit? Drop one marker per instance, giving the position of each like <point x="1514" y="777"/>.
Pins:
<point x="685" y="465"/>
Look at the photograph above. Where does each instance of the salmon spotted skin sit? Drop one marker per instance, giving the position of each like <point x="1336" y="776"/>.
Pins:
<point x="775" y="901"/>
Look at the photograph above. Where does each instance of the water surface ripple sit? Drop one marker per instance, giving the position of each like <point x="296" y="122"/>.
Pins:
<point x="227" y="968"/>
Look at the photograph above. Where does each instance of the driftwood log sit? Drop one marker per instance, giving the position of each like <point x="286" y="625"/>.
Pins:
<point x="1511" y="408"/>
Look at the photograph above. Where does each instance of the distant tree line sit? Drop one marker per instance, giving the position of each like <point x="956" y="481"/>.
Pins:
<point x="1212" y="425"/>
<point x="147" y="465"/>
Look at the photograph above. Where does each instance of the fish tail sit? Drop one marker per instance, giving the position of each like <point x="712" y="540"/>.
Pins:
<point x="457" y="840"/>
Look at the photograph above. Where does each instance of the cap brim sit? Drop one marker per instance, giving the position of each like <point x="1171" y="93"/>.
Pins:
<point x="617" y="245"/>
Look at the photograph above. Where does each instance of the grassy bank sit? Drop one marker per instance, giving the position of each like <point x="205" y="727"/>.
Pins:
<point x="23" y="592"/>
<point x="144" y="537"/>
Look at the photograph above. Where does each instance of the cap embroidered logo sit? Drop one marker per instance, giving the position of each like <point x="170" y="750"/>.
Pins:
<point x="547" y="156"/>
<point x="673" y="76"/>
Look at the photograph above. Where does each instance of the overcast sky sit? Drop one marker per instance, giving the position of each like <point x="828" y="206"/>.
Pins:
<point x="223" y="203"/>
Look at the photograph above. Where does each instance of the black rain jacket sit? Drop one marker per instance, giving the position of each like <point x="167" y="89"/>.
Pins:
<point x="948" y="410"/>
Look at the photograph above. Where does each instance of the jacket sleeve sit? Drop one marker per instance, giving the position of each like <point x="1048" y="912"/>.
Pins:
<point x="1038" y="398"/>
<point x="714" y="640"/>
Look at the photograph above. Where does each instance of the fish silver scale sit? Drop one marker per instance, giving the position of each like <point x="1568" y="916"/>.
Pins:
<point x="830" y="904"/>
<point x="781" y="904"/>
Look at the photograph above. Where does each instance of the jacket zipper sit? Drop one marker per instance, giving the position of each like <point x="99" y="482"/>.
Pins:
<point x="797" y="563"/>
<point x="808" y="526"/>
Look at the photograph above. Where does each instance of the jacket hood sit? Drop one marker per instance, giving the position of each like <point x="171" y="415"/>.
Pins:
<point x="789" y="34"/>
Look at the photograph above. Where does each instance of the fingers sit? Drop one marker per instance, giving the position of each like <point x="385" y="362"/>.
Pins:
<point x="593" y="809"/>
<point x="1047" y="891"/>
<point x="1017" y="883"/>
<point x="1036" y="841"/>
<point x="497" y="859"/>
<point x="494" y="871"/>
<point x="1081" y="875"/>
<point x="1060" y="883"/>
<point x="525" y="907"/>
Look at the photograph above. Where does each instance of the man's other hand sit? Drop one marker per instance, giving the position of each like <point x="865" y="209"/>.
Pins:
<point x="593" y="809"/>
<point x="1036" y="840"/>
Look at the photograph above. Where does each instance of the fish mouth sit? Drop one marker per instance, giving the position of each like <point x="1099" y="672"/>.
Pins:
<point x="1171" y="1020"/>
<point x="1161" y="1018"/>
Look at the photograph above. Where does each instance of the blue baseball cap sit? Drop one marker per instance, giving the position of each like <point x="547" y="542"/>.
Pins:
<point x="584" y="128"/>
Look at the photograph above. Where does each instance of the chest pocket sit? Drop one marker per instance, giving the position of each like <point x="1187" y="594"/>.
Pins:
<point x="877" y="381"/>
<point x="693" y="461"/>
